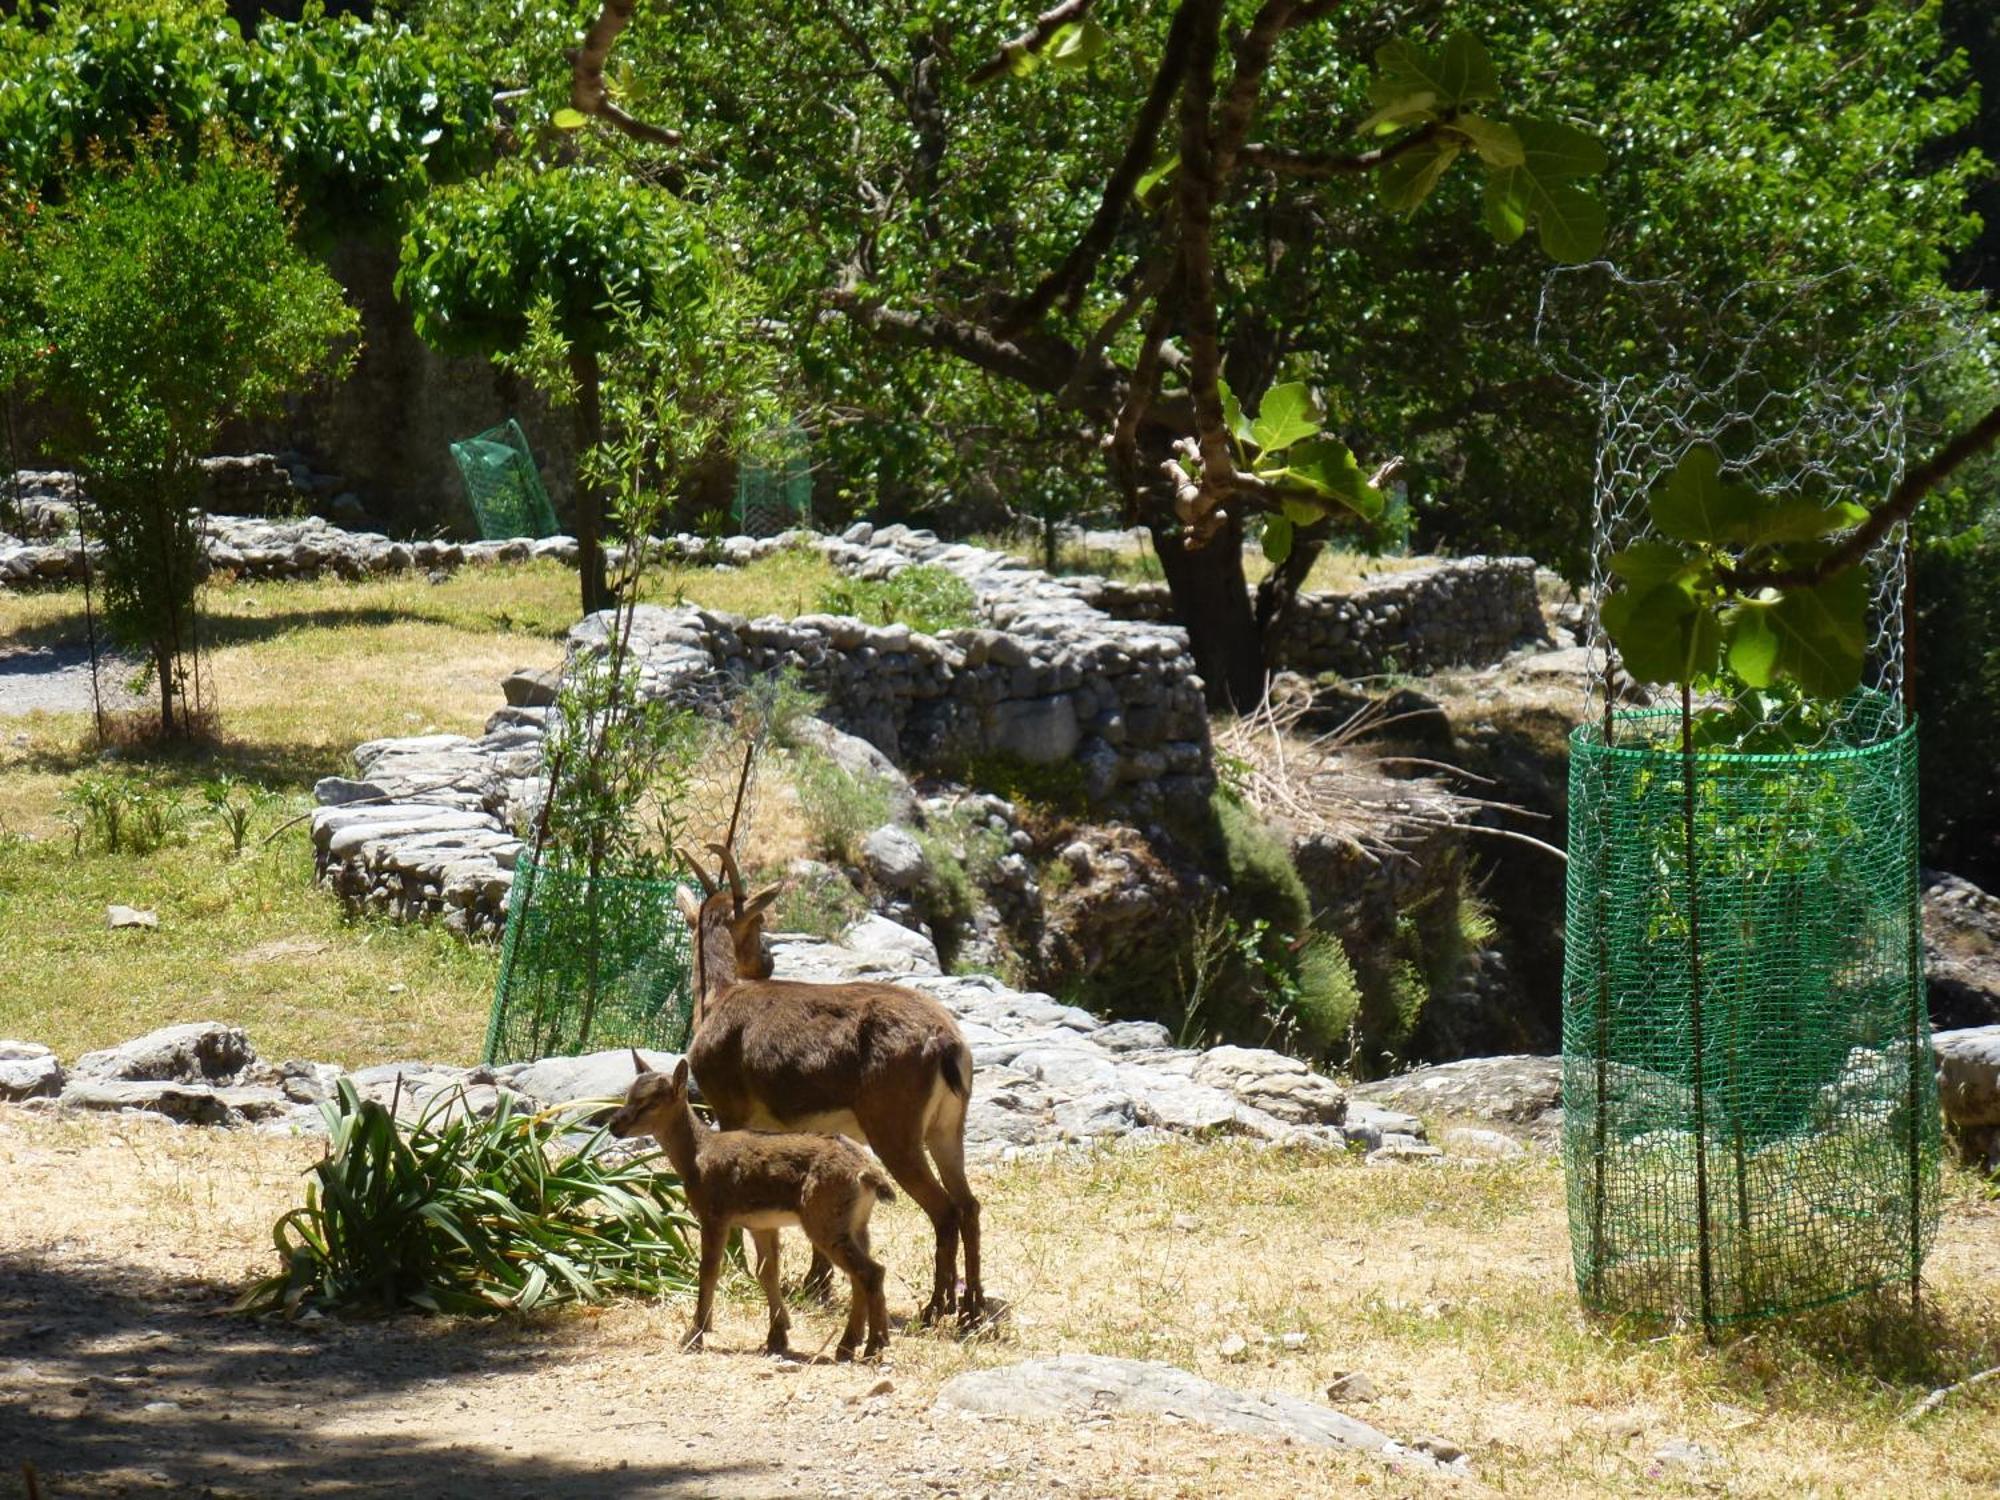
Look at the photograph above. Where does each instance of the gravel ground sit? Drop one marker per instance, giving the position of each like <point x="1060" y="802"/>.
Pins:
<point x="56" y="680"/>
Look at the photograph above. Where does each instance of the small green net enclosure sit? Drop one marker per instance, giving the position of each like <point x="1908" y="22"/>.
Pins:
<point x="1750" y="1114"/>
<point x="589" y="963"/>
<point x="774" y="482"/>
<point x="503" y="485"/>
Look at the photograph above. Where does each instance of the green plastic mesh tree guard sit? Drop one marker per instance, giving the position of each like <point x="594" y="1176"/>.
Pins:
<point x="1750" y="1117"/>
<point x="588" y="965"/>
<point x="774" y="483"/>
<point x="503" y="485"/>
<point x="1750" y="1109"/>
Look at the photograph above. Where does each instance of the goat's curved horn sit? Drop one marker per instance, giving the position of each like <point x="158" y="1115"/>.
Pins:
<point x="735" y="875"/>
<point x="639" y="1064"/>
<point x="694" y="865"/>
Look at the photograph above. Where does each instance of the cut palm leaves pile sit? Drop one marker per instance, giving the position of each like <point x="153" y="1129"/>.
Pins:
<point x="460" y="1214"/>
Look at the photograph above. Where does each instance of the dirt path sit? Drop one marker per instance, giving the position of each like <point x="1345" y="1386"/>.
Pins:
<point x="56" y="679"/>
<point x="121" y="1373"/>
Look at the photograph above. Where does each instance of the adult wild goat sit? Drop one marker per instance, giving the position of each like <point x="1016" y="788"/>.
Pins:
<point x="762" y="1181"/>
<point x="875" y="1061"/>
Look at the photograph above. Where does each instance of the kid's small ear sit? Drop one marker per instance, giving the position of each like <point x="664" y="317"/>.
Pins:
<point x="756" y="904"/>
<point x="681" y="1074"/>
<point x="639" y="1064"/>
<point x="690" y="907"/>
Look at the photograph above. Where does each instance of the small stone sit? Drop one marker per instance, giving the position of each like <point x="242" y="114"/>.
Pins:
<point x="1353" y="1386"/>
<point x="1293" y="1341"/>
<point x="1185" y="1223"/>
<point x="1442" y="1449"/>
<point x="1234" y="1347"/>
<point x="116" y="917"/>
<point x="1685" y="1454"/>
<point x="882" y="1387"/>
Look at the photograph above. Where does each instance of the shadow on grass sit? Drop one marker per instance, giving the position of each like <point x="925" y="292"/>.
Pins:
<point x="71" y="627"/>
<point x="259" y="1408"/>
<point x="283" y="766"/>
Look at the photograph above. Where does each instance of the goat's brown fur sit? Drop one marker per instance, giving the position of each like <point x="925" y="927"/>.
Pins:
<point x="762" y="1180"/>
<point x="877" y="1061"/>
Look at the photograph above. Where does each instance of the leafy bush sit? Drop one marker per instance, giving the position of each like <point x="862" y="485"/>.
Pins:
<point x="465" y="1215"/>
<point x="925" y="598"/>
<point x="1263" y="882"/>
<point x="840" y="809"/>
<point x="121" y="813"/>
<point x="1326" y="999"/>
<point x="824" y="908"/>
<point x="234" y="803"/>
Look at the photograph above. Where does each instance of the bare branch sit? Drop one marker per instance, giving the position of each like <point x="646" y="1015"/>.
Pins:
<point x="1239" y="103"/>
<point x="1042" y="362"/>
<point x="1322" y="165"/>
<point x="1900" y="506"/>
<point x="587" y="92"/>
<point x="1047" y="24"/>
<point x="1152" y="278"/>
<point x="1076" y="268"/>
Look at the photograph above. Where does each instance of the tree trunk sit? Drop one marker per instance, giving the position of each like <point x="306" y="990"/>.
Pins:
<point x="1280" y="589"/>
<point x="163" y="663"/>
<point x="1212" y="600"/>
<point x="589" y="502"/>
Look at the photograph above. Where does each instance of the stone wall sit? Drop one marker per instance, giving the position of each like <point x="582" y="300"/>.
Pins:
<point x="1448" y="612"/>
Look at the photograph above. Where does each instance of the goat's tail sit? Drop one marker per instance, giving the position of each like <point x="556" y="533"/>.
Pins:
<point x="885" y="1190"/>
<point x="955" y="1066"/>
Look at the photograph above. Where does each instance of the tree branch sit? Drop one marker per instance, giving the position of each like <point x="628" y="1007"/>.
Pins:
<point x="587" y="93"/>
<point x="1076" y="268"/>
<point x="1043" y="362"/>
<point x="1900" y="506"/>
<point x="1047" y="24"/>
<point x="1239" y="103"/>
<point x="1322" y="165"/>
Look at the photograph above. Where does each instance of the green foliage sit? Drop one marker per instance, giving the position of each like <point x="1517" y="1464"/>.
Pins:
<point x="171" y="300"/>
<point x="1679" y="610"/>
<point x="1264" y="885"/>
<point x="481" y="255"/>
<point x="1308" y="472"/>
<point x="1327" y="999"/>
<point x="1956" y="658"/>
<point x="465" y="1215"/>
<point x="360" y="116"/>
<point x="840" y="809"/>
<point x="823" y="908"/>
<point x="925" y="598"/>
<point x="234" y="803"/>
<point x="120" y="813"/>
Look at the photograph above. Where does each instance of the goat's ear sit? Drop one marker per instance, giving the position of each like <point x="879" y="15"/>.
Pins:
<point x="756" y="904"/>
<point x="681" y="1074"/>
<point x="690" y="907"/>
<point x="639" y="1064"/>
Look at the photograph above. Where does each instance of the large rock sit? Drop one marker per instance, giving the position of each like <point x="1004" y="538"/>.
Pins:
<point x="1521" y="1091"/>
<point x="595" y="1075"/>
<point x="1085" y="1387"/>
<point x="1969" y="1090"/>
<point x="197" y="1052"/>
<point x="28" y="1070"/>
<point x="862" y="761"/>
<point x="531" y="687"/>
<point x="1040" y="731"/>
<point x="189" y="1103"/>
<point x="1961" y="952"/>
<point x="894" y="858"/>
<point x="1279" y="1085"/>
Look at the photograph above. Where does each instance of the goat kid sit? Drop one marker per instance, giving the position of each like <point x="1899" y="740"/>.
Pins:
<point x="762" y="1181"/>
<point x="879" y="1062"/>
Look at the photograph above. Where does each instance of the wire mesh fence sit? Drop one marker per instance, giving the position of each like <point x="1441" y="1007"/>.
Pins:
<point x="774" y="483"/>
<point x="1750" y="1118"/>
<point x="502" y="484"/>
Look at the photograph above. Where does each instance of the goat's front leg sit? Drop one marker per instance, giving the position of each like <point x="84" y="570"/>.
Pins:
<point x="713" y="1238"/>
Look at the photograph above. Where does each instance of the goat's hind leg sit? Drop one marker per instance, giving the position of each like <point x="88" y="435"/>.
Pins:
<point x="866" y="1307"/>
<point x="766" y="1241"/>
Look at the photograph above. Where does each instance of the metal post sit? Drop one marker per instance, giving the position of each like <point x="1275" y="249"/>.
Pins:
<point x="1703" y="1243"/>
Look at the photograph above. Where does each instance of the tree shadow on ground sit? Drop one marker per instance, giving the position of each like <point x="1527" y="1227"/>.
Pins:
<point x="91" y="1353"/>
<point x="70" y="627"/>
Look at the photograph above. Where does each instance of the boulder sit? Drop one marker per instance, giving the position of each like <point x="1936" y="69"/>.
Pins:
<point x="531" y="687"/>
<point x="895" y="860"/>
<point x="341" y="791"/>
<point x="1969" y="1090"/>
<point x="28" y="1070"/>
<point x="1085" y="1387"/>
<point x="1961" y="952"/>
<point x="197" y="1052"/>
<point x="861" y="760"/>
<point x="1279" y="1085"/>
<point x="594" y="1075"/>
<point x="1521" y="1090"/>
<point x="1041" y="731"/>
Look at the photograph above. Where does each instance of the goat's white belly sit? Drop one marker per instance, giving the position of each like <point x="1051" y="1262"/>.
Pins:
<point x="822" y="1122"/>
<point x="767" y="1218"/>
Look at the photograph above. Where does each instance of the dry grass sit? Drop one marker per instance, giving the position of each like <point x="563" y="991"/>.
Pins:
<point x="1449" y="1286"/>
<point x="1333" y="572"/>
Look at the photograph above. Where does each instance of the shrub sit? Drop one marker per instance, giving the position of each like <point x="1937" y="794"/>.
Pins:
<point x="923" y="597"/>
<point x="1327" y="997"/>
<point x="840" y="809"/>
<point x="1263" y="882"/>
<point x="472" y="1216"/>
<point x="824" y="908"/>
<point x="121" y="813"/>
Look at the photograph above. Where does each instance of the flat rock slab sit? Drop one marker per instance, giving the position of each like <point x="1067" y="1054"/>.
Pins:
<point x="194" y="1052"/>
<point x="1522" y="1091"/>
<point x="1077" y="1387"/>
<point x="28" y="1070"/>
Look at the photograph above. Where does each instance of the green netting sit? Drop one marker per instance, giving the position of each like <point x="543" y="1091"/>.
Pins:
<point x="1750" y="1118"/>
<point x="503" y="485"/>
<point x="774" y="483"/>
<point x="589" y="964"/>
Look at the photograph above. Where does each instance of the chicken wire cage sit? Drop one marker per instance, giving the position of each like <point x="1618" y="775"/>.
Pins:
<point x="774" y="482"/>
<point x="595" y="953"/>
<point x="1750" y="1116"/>
<point x="502" y="484"/>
